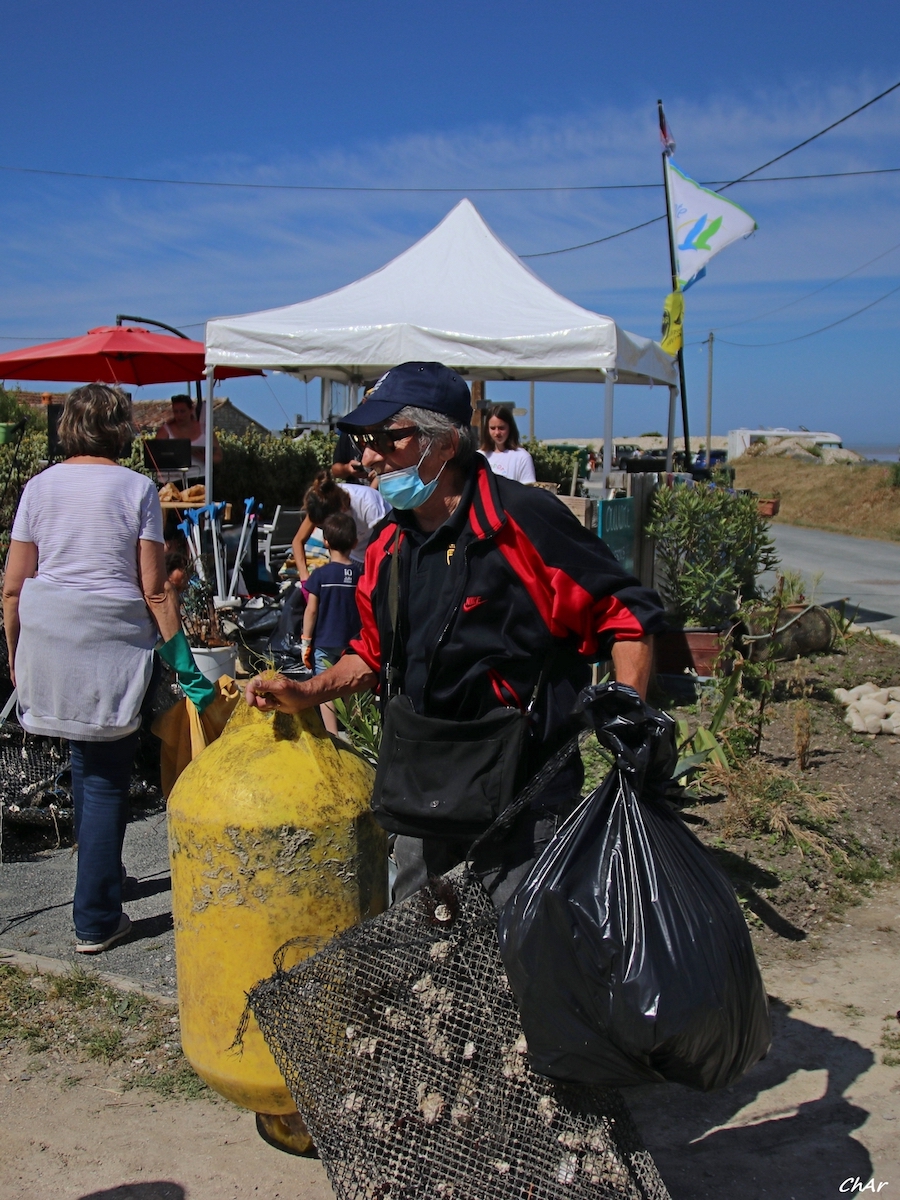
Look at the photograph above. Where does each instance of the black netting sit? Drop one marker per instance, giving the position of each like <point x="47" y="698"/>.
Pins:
<point x="35" y="777"/>
<point x="401" y="1045"/>
<point x="35" y="780"/>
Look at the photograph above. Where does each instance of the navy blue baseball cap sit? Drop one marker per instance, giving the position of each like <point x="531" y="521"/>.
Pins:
<point x="428" y="385"/>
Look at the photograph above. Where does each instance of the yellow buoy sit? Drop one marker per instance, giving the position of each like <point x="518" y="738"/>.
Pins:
<point x="270" y="839"/>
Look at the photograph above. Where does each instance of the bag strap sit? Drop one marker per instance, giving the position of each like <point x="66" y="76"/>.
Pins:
<point x="390" y="670"/>
<point x="528" y="793"/>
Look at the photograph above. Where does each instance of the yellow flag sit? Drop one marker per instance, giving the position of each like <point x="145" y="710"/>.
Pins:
<point x="673" y="323"/>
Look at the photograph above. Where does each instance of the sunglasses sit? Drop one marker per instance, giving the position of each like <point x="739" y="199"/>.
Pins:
<point x="384" y="441"/>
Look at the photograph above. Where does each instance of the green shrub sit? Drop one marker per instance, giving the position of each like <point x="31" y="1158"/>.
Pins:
<point x="18" y="462"/>
<point x="894" y="475"/>
<point x="12" y="410"/>
<point x="551" y="465"/>
<point x="272" y="470"/>
<point x="711" y="545"/>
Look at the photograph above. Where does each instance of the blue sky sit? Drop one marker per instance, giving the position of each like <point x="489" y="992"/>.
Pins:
<point x="461" y="96"/>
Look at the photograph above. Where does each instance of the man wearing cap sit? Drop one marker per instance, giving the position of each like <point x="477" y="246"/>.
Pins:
<point x="483" y="604"/>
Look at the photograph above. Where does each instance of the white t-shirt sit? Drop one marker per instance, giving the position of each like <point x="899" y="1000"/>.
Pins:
<point x="512" y="464"/>
<point x="86" y="520"/>
<point x="367" y="507"/>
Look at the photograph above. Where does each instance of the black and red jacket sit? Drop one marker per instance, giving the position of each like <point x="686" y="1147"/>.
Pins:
<point x="529" y="595"/>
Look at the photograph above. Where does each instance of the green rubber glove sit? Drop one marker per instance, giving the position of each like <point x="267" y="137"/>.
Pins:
<point x="177" y="653"/>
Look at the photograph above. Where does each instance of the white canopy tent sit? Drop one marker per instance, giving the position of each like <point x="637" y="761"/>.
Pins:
<point x="457" y="296"/>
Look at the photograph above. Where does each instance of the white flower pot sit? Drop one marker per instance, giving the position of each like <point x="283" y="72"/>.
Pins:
<point x="214" y="661"/>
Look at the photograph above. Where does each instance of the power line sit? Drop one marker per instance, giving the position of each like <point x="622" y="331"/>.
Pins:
<point x="771" y="312"/>
<point x="597" y="241"/>
<point x="827" y="129"/>
<point x="741" y="179"/>
<point x="812" y="333"/>
<point x="59" y="337"/>
<point x="327" y="187"/>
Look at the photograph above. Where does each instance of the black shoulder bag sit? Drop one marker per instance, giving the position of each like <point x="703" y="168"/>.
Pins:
<point x="440" y="778"/>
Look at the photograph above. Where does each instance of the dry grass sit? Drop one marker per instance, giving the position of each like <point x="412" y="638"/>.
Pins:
<point x="762" y="799"/>
<point x="802" y="733"/>
<point x="843" y="498"/>
<point x="79" y="1015"/>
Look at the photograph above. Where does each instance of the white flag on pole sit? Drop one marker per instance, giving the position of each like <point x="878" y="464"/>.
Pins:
<point x="704" y="223"/>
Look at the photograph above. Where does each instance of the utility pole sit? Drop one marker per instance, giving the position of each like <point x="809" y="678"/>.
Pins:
<point x="709" y="381"/>
<point x="663" y="129"/>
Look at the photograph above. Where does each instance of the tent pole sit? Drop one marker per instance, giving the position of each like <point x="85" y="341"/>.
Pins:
<point x="531" y="411"/>
<point x="208" y="457"/>
<point x="608" y="400"/>
<point x="670" y="436"/>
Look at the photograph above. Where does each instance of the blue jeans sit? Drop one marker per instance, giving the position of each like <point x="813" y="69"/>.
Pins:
<point x="101" y="772"/>
<point x="326" y="656"/>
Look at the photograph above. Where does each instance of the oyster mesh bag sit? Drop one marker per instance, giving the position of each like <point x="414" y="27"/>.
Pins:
<point x="35" y="785"/>
<point x="401" y="1044"/>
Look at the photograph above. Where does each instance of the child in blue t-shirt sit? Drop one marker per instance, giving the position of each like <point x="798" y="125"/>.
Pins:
<point x="332" y="618"/>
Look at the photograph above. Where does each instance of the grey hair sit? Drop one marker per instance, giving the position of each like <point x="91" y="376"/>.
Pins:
<point x="434" y="426"/>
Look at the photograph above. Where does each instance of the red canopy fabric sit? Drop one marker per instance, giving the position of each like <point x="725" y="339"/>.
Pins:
<point x="123" y="354"/>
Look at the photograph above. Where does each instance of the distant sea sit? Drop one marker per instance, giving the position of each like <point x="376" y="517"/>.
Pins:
<point x="883" y="451"/>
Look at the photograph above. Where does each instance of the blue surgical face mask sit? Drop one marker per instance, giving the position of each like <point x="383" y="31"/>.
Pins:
<point x="404" y="488"/>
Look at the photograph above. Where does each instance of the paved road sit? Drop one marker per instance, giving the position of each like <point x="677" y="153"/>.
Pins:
<point x="867" y="572"/>
<point x="36" y="907"/>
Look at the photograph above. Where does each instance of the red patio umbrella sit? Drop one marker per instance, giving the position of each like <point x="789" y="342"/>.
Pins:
<point x="123" y="354"/>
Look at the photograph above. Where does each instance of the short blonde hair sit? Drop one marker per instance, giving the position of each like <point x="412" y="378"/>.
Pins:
<point x="96" y="420"/>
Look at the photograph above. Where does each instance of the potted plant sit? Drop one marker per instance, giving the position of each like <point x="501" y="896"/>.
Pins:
<point x="711" y="546"/>
<point x="214" y="653"/>
<point x="11" y="415"/>
<point x="769" y="507"/>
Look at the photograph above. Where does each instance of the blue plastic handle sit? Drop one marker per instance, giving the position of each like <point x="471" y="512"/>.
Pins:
<point x="185" y="527"/>
<point x="248" y="504"/>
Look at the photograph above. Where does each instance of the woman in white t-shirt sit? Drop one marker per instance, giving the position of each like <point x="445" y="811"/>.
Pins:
<point x="500" y="446"/>
<point x="85" y="599"/>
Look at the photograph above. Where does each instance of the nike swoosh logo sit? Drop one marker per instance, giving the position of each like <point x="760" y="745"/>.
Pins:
<point x="471" y="602"/>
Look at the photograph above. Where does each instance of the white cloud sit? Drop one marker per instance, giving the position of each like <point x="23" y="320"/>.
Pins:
<point x="73" y="253"/>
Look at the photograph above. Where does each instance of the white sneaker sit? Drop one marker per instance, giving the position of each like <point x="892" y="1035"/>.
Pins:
<point x="86" y="946"/>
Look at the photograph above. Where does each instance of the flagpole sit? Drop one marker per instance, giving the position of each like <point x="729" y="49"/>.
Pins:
<point x="674" y="267"/>
<point x="709" y="385"/>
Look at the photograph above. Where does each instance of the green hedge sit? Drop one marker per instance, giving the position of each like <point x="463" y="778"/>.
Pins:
<point x="551" y="465"/>
<point x="272" y="470"/>
<point x="16" y="468"/>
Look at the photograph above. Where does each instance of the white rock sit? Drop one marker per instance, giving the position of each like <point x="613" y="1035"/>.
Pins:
<point x="870" y="707"/>
<point x="894" y="693"/>
<point x="887" y="727"/>
<point x="882" y="695"/>
<point x="855" y="721"/>
<point x="892" y="706"/>
<point x="842" y="696"/>
<point x="862" y="689"/>
<point x="873" y="724"/>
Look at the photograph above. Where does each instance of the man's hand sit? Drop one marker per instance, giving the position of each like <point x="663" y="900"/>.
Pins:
<point x="348" y="675"/>
<point x="277" y="695"/>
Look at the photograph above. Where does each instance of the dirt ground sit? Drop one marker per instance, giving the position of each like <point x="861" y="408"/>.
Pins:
<point x="792" y="885"/>
<point x="821" y="1110"/>
<point x="71" y="1132"/>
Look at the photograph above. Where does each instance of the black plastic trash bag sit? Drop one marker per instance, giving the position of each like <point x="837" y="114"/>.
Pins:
<point x="625" y="946"/>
